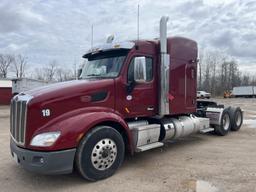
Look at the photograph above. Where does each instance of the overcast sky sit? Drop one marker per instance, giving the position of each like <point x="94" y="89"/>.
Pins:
<point x="45" y="30"/>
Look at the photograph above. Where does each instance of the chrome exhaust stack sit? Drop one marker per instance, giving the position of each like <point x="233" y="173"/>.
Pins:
<point x="164" y="69"/>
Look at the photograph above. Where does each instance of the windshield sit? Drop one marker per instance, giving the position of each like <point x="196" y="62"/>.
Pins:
<point x="103" y="65"/>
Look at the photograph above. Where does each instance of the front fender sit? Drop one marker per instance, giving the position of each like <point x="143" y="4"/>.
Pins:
<point x="73" y="125"/>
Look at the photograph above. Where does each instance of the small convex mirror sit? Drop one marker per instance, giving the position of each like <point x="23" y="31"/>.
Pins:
<point x="80" y="71"/>
<point x="140" y="74"/>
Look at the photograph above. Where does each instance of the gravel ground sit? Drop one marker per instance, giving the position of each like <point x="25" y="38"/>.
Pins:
<point x="197" y="163"/>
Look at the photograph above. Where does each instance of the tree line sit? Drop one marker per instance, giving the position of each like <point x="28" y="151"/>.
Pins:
<point x="54" y="72"/>
<point x="18" y="66"/>
<point x="218" y="73"/>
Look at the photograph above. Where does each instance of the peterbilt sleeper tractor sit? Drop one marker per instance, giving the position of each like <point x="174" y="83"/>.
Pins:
<point x="131" y="97"/>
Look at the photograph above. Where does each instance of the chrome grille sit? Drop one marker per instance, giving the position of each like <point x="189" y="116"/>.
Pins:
<point x="18" y="118"/>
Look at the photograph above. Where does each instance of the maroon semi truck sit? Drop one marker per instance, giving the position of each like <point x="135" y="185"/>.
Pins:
<point x="131" y="97"/>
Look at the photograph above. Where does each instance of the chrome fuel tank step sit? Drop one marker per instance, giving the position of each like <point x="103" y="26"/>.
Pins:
<point x="145" y="136"/>
<point x="149" y="146"/>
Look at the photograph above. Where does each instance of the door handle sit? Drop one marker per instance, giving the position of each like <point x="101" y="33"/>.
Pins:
<point x="150" y="108"/>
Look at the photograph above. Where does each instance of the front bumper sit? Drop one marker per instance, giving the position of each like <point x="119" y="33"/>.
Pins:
<point x="56" y="162"/>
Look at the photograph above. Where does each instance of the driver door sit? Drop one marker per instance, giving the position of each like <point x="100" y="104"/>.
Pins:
<point x="139" y="96"/>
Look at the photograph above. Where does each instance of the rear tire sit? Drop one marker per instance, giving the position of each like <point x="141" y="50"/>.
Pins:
<point x="225" y="124"/>
<point x="236" y="118"/>
<point x="100" y="153"/>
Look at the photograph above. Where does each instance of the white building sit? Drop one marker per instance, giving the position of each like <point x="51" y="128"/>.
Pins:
<point x="25" y="84"/>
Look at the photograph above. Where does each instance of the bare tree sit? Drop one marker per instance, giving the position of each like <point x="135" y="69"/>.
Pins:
<point x="64" y="74"/>
<point x="201" y="56"/>
<point x="47" y="73"/>
<point x="19" y="66"/>
<point x="234" y="74"/>
<point x="39" y="74"/>
<point x="75" y="69"/>
<point x="205" y="70"/>
<point x="50" y="70"/>
<point x="245" y="79"/>
<point x="5" y="63"/>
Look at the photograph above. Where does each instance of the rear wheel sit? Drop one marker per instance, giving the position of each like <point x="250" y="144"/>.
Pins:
<point x="236" y="118"/>
<point x="225" y="123"/>
<point x="100" y="153"/>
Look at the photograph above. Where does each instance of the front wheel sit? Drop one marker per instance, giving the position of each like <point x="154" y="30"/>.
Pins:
<point x="100" y="153"/>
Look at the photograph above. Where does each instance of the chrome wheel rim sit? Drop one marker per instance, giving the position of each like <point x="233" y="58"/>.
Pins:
<point x="238" y="118"/>
<point x="104" y="154"/>
<point x="226" y="122"/>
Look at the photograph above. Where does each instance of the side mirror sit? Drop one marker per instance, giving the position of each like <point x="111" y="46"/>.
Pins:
<point x="79" y="72"/>
<point x="140" y="74"/>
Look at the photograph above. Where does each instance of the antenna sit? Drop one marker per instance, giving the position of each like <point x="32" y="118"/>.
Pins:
<point x="92" y="38"/>
<point x="138" y="22"/>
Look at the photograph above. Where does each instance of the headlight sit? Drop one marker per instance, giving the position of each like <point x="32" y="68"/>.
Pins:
<point x="45" y="139"/>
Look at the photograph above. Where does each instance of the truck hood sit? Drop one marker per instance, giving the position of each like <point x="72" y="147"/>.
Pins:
<point x="68" y="89"/>
<point x="64" y="98"/>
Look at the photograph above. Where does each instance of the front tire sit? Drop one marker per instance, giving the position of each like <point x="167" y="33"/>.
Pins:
<point x="100" y="153"/>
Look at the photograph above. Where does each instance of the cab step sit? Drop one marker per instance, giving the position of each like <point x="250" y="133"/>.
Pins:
<point x="207" y="130"/>
<point x="149" y="146"/>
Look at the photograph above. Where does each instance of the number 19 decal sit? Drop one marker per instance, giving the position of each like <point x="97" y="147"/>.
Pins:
<point x="46" y="112"/>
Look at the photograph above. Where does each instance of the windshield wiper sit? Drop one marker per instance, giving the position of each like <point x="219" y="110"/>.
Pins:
<point x="97" y="76"/>
<point x="93" y="75"/>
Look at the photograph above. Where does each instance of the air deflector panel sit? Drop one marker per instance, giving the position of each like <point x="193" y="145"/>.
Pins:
<point x="99" y="96"/>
